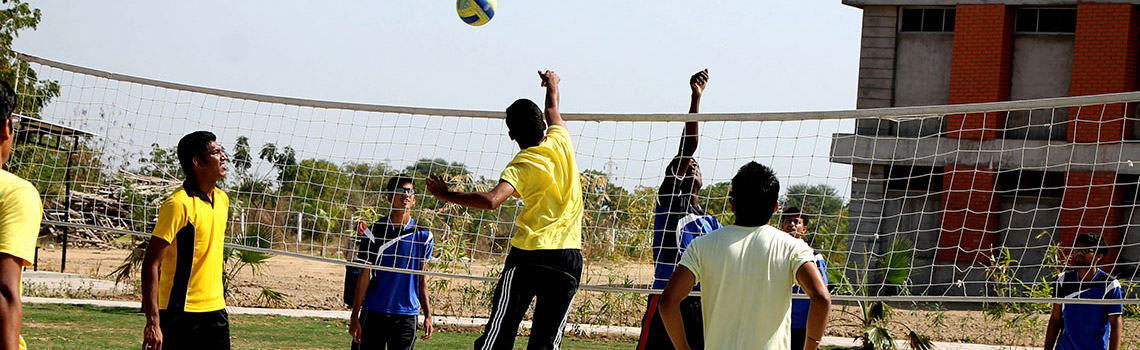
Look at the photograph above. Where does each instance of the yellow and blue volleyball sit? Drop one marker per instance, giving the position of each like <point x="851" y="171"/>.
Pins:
<point x="476" y="12"/>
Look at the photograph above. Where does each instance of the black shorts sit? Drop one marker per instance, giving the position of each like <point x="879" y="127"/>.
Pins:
<point x="386" y="331"/>
<point x="653" y="334"/>
<point x="194" y="330"/>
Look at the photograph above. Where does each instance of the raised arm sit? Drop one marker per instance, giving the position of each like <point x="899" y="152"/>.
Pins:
<point x="690" y="137"/>
<point x="550" y="81"/>
<point x="480" y="200"/>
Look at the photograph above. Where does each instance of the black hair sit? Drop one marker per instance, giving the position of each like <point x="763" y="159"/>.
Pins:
<point x="396" y="181"/>
<point x="526" y="123"/>
<point x="755" y="192"/>
<point x="1097" y="242"/>
<point x="7" y="100"/>
<point x="792" y="212"/>
<point x="193" y="145"/>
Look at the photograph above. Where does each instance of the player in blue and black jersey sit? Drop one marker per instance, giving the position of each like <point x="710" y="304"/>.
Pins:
<point x="1085" y="326"/>
<point x="678" y="219"/>
<point x="386" y="303"/>
<point x="794" y="222"/>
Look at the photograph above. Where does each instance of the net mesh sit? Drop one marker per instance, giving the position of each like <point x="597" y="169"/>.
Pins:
<point x="966" y="202"/>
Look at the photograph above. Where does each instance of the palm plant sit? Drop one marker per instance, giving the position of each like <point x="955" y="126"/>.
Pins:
<point x="873" y="317"/>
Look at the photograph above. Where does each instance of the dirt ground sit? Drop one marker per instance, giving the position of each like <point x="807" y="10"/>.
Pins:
<point x="308" y="284"/>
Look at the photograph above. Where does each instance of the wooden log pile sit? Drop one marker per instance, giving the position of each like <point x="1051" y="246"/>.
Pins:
<point x="107" y="205"/>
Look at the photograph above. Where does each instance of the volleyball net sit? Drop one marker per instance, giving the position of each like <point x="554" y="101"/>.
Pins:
<point x="974" y="202"/>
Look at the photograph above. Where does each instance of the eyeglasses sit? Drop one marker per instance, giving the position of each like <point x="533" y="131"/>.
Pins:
<point x="404" y="190"/>
<point x="1090" y="250"/>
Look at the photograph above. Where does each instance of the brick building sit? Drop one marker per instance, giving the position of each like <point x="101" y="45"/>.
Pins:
<point x="1003" y="188"/>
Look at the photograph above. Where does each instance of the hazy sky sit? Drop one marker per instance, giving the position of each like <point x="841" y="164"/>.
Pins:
<point x="614" y="56"/>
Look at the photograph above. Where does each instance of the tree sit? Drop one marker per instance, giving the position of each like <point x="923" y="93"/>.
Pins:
<point x="162" y="162"/>
<point x="241" y="158"/>
<point x="427" y="166"/>
<point x="32" y="92"/>
<point x="814" y="200"/>
<point x="284" y="160"/>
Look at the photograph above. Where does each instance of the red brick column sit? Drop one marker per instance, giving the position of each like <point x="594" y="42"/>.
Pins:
<point x="1105" y="50"/>
<point x="969" y="218"/>
<point x="980" y="71"/>
<point x="981" y="68"/>
<point x="1091" y="205"/>
<point x="1104" y="61"/>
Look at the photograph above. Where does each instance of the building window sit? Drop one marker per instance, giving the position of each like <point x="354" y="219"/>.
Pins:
<point x="1031" y="183"/>
<point x="916" y="178"/>
<point x="927" y="20"/>
<point x="1050" y="21"/>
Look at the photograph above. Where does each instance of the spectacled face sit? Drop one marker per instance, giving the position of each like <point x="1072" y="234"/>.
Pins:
<point x="403" y="197"/>
<point x="1081" y="257"/>
<point x="794" y="225"/>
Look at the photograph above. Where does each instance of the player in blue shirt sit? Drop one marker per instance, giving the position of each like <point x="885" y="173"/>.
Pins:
<point x="677" y="220"/>
<point x="795" y="224"/>
<point x="1085" y="326"/>
<point x="391" y="300"/>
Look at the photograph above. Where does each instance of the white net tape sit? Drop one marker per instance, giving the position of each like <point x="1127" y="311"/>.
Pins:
<point x="900" y="207"/>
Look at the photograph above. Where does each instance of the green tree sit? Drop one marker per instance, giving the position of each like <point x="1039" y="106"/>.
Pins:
<point x="32" y="92"/>
<point x="162" y="162"/>
<point x="427" y="166"/>
<point x="284" y="160"/>
<point x="241" y="158"/>
<point x="814" y="200"/>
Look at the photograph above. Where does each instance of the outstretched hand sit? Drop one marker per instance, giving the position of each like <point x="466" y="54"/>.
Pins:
<point x="437" y="187"/>
<point x="697" y="82"/>
<point x="549" y="78"/>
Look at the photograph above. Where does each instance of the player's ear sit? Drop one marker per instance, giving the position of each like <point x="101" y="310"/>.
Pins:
<point x="511" y="134"/>
<point x="731" y="202"/>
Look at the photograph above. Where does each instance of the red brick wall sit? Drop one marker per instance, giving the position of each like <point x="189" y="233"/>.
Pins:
<point x="980" y="68"/>
<point x="1104" y="61"/>
<point x="980" y="71"/>
<point x="1091" y="205"/>
<point x="969" y="214"/>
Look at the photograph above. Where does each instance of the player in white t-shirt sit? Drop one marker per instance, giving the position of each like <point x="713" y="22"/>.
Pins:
<point x="746" y="271"/>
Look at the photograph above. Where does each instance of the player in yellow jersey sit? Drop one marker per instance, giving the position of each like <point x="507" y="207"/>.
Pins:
<point x="20" y="214"/>
<point x="182" y="273"/>
<point x="545" y="260"/>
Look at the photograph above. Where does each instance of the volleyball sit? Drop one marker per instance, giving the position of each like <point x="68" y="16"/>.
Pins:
<point x="475" y="12"/>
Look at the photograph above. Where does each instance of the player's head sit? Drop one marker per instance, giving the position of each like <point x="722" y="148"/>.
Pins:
<point x="201" y="157"/>
<point x="8" y="130"/>
<point x="525" y="123"/>
<point x="1088" y="250"/>
<point x="794" y="222"/>
<point x="692" y="179"/>
<point x="755" y="193"/>
<point x="401" y="192"/>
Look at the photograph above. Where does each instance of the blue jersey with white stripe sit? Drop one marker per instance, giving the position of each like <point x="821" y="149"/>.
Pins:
<point x="800" y="307"/>
<point x="1086" y="326"/>
<point x="405" y="247"/>
<point x="676" y="223"/>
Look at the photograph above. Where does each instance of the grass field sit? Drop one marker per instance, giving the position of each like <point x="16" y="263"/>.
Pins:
<point x="51" y="326"/>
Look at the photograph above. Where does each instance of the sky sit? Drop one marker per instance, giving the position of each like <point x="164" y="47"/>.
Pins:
<point x="614" y="56"/>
